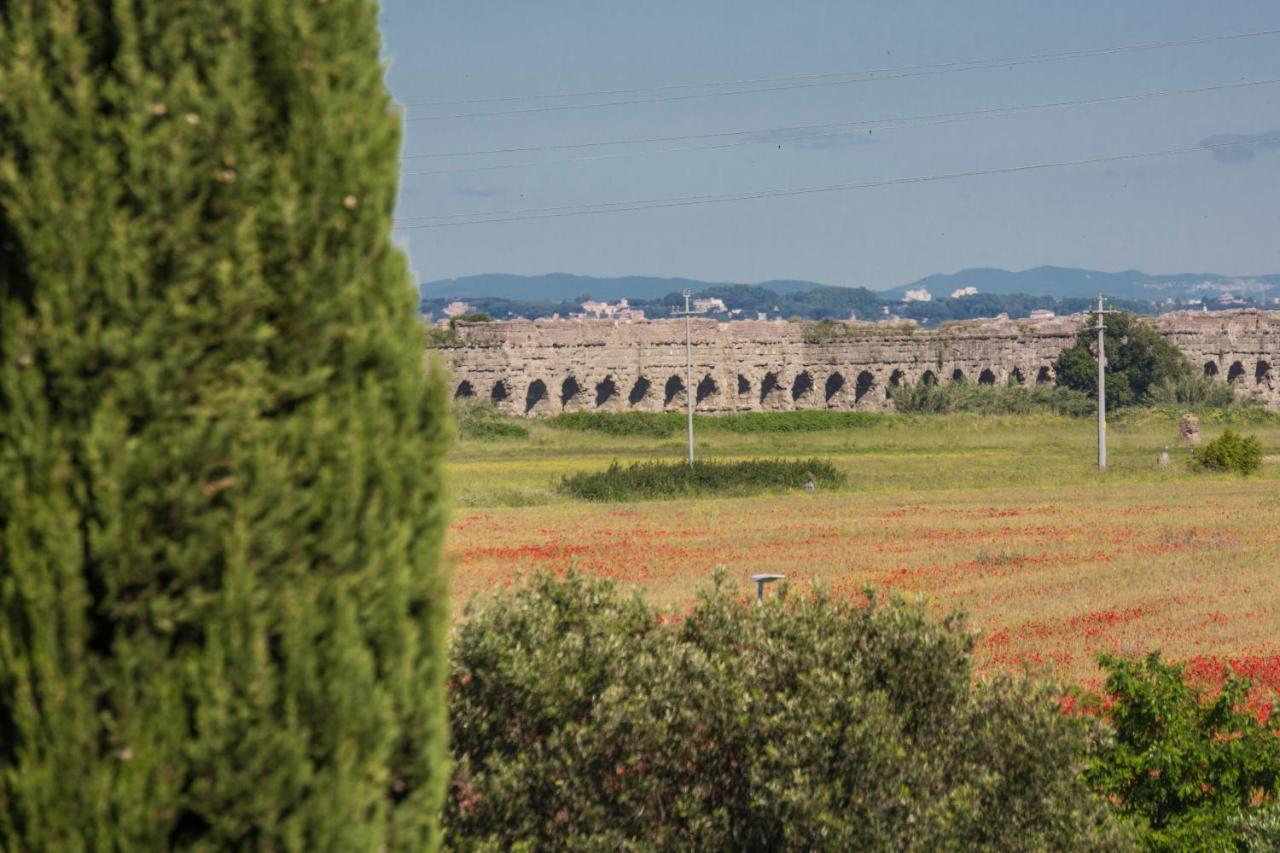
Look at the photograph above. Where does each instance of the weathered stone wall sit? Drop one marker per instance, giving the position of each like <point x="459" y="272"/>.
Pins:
<point x="542" y="367"/>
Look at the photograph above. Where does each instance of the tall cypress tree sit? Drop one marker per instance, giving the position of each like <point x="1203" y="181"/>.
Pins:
<point x="221" y="618"/>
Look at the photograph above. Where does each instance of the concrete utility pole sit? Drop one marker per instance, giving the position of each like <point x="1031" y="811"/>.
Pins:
<point x="1102" y="386"/>
<point x="689" y="390"/>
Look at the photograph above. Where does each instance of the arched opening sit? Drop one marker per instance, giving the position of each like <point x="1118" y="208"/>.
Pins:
<point x="464" y="390"/>
<point x="986" y="377"/>
<point x="537" y="393"/>
<point x="1262" y="372"/>
<point x="605" y="390"/>
<point x="744" y="385"/>
<point x="928" y="378"/>
<point x="768" y="385"/>
<point x="1044" y="376"/>
<point x="569" y="389"/>
<point x="802" y="386"/>
<point x="835" y="382"/>
<point x="895" y="378"/>
<point x="1235" y="372"/>
<point x="957" y="375"/>
<point x="865" y="383"/>
<point x="1211" y="368"/>
<point x="499" y="392"/>
<point x="1017" y="376"/>
<point x="706" y="388"/>
<point x="675" y="386"/>
<point x="639" y="391"/>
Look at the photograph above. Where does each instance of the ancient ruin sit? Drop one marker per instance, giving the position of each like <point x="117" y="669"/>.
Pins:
<point x="542" y="367"/>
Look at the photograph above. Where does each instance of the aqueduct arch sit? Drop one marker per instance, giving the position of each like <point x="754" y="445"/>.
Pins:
<point x="546" y="366"/>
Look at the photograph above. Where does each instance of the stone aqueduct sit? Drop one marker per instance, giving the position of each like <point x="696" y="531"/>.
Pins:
<point x="543" y="367"/>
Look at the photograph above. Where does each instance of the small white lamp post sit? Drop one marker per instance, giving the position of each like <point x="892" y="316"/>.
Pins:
<point x="761" y="580"/>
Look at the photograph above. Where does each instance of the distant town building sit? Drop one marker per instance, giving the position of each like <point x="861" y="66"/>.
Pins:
<point x="964" y="291"/>
<point x="456" y="309"/>
<point x="709" y="305"/>
<point x="1041" y="314"/>
<point x="918" y="294"/>
<point x="621" y="310"/>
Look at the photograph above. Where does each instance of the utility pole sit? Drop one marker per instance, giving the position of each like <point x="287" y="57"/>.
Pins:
<point x="1102" y="386"/>
<point x="689" y="390"/>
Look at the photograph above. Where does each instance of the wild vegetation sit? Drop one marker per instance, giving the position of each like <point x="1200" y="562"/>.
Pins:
<point x="664" y="424"/>
<point x="649" y="480"/>
<point x="583" y="719"/>
<point x="220" y="503"/>
<point x="944" y="398"/>
<point x="1230" y="451"/>
<point x="1139" y="361"/>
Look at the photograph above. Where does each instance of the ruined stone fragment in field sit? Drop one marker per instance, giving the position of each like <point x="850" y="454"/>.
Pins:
<point x="1189" y="429"/>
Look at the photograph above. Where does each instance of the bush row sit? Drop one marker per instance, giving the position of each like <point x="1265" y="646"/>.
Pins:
<point x="649" y="480"/>
<point x="667" y="424"/>
<point x="936" y="399"/>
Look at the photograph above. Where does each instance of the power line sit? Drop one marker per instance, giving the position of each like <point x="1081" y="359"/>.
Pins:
<point x="686" y="201"/>
<point x="780" y="84"/>
<point x="823" y="131"/>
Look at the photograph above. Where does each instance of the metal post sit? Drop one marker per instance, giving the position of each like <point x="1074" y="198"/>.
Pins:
<point x="688" y="381"/>
<point x="1102" y="388"/>
<point x="761" y="580"/>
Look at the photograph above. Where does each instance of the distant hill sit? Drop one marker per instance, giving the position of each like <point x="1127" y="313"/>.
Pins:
<point x="1068" y="282"/>
<point x="1055" y="282"/>
<point x="557" y="287"/>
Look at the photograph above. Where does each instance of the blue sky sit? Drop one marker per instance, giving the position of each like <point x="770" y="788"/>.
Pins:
<point x="1204" y="211"/>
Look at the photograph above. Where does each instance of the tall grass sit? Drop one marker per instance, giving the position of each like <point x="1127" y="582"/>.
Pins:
<point x="926" y="399"/>
<point x="653" y="480"/>
<point x="479" y="419"/>
<point x="1197" y="390"/>
<point x="666" y="424"/>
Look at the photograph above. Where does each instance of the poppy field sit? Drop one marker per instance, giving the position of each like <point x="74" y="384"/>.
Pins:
<point x="1006" y="519"/>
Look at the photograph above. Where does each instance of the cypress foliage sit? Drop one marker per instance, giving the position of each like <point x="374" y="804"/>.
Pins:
<point x="221" y="618"/>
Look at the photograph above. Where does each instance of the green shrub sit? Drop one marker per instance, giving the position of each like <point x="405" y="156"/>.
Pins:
<point x="668" y="424"/>
<point x="581" y="721"/>
<point x="936" y="399"/>
<point x="1258" y="830"/>
<point x="1189" y="765"/>
<point x="1195" y="390"/>
<point x="482" y="420"/>
<point x="652" y="480"/>
<point x="223" y="625"/>
<point x="647" y="424"/>
<point x="815" y="420"/>
<point x="1230" y="451"/>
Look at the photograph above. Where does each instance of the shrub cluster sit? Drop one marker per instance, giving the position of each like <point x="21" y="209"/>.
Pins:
<point x="481" y="419"/>
<point x="651" y="480"/>
<point x="580" y="721"/>
<point x="935" y="399"/>
<point x="667" y="424"/>
<point x="1188" y="765"/>
<point x="645" y="424"/>
<point x="583" y="718"/>
<point x="1195" y="390"/>
<point x="1230" y="451"/>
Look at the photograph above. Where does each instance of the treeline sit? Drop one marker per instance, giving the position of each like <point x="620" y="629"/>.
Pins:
<point x="816" y="304"/>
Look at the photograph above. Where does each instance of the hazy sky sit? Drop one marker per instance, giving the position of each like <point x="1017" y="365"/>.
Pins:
<point x="1204" y="211"/>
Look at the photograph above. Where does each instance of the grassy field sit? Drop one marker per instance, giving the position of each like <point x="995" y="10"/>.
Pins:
<point x="1006" y="518"/>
